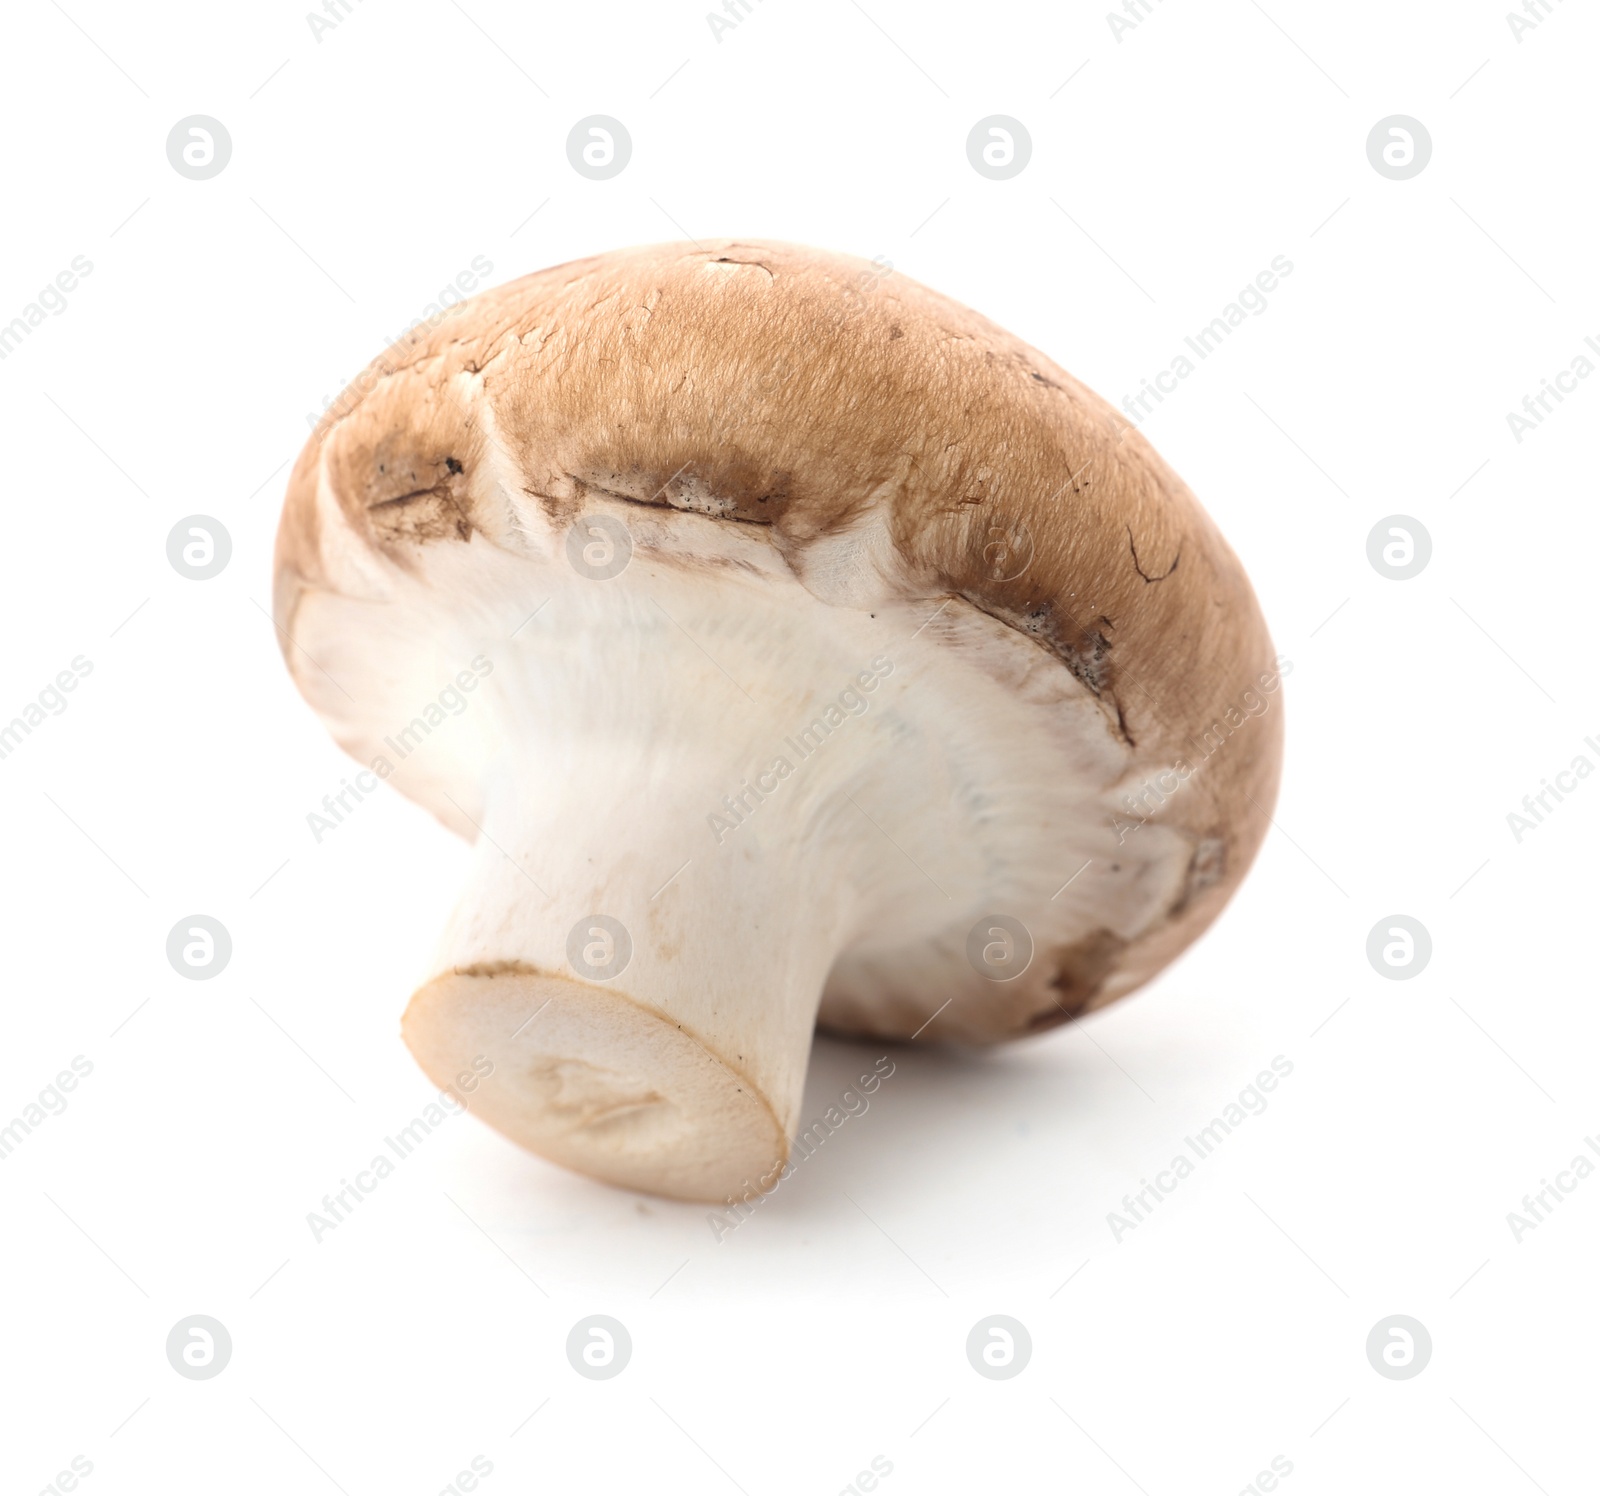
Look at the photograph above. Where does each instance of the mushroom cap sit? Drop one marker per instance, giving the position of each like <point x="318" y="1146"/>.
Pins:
<point x="881" y="446"/>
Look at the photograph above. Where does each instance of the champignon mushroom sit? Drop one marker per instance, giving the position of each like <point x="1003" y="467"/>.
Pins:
<point x="795" y="646"/>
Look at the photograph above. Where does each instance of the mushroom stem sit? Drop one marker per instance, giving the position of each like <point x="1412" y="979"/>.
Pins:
<point x="645" y="994"/>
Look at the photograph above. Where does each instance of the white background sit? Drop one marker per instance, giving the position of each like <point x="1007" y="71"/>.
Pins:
<point x="367" y="170"/>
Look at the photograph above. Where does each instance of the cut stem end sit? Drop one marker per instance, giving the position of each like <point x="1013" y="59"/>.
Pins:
<point x="592" y="1080"/>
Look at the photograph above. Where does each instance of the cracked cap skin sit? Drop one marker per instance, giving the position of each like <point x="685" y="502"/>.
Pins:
<point x="890" y="446"/>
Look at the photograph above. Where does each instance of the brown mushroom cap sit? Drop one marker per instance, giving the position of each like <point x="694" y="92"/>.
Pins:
<point x="889" y="450"/>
